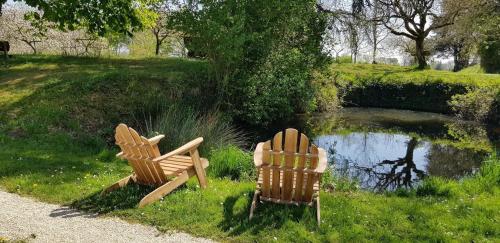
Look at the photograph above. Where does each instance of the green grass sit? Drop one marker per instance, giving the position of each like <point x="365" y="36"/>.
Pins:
<point x="472" y="69"/>
<point x="90" y="95"/>
<point x="56" y="118"/>
<point x="358" y="73"/>
<point x="441" y="211"/>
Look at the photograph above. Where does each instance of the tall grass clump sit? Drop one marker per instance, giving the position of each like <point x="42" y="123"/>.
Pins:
<point x="487" y="179"/>
<point x="181" y="124"/>
<point x="231" y="162"/>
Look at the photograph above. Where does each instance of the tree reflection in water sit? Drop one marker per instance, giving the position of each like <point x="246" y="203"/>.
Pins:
<point x="401" y="171"/>
<point x="387" y="149"/>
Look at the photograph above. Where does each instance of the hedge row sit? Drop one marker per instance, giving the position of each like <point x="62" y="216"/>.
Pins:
<point x="397" y="87"/>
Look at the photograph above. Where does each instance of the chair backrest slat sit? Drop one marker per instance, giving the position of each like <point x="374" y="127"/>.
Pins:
<point x="154" y="152"/>
<point x="277" y="147"/>
<point x="140" y="153"/>
<point x="266" y="171"/>
<point x="151" y="172"/>
<point x="299" y="181"/>
<point x="311" y="177"/>
<point x="290" y="150"/>
<point x="127" y="153"/>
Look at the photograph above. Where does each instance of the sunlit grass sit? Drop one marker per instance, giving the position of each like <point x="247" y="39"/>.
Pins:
<point x="398" y="74"/>
<point x="55" y="146"/>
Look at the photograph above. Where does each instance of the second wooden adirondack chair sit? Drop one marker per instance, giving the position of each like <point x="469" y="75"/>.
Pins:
<point x="167" y="172"/>
<point x="289" y="174"/>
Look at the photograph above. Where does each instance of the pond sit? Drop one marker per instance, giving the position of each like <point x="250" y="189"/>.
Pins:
<point x="383" y="149"/>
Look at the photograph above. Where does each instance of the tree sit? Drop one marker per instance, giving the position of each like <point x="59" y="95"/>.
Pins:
<point x="354" y="27"/>
<point x="124" y="16"/>
<point x="348" y="19"/>
<point x="161" y="29"/>
<point x="418" y="18"/>
<point x="375" y="33"/>
<point x="462" y="38"/>
<point x="487" y="23"/>
<point x="262" y="53"/>
<point x="456" y="42"/>
<point x="28" y="27"/>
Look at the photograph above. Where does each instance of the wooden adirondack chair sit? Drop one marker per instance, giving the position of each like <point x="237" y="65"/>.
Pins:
<point x="289" y="175"/>
<point x="167" y="171"/>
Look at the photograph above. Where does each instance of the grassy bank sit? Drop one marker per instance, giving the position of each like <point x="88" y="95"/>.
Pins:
<point x="56" y="118"/>
<point x="57" y="171"/>
<point x="82" y="96"/>
<point x="388" y="86"/>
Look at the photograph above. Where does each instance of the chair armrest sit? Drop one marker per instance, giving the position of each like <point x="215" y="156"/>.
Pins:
<point x="119" y="155"/>
<point x="156" y="139"/>
<point x="192" y="145"/>
<point x="257" y="155"/>
<point x="322" y="161"/>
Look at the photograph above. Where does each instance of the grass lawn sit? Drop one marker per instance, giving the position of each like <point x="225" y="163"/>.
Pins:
<point x="56" y="115"/>
<point x="392" y="74"/>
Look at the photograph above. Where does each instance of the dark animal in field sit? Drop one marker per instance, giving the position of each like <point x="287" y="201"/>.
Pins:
<point x="5" y="48"/>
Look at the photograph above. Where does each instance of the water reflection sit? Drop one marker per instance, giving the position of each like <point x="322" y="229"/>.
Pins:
<point x="385" y="150"/>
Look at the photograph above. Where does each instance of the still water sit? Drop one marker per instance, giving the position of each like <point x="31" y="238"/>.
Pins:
<point x="386" y="149"/>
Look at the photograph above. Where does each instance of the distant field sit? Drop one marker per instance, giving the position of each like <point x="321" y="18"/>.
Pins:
<point x="473" y="69"/>
<point x="398" y="75"/>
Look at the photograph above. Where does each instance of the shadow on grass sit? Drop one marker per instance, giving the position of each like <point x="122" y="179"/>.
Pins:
<point x="266" y="216"/>
<point x="124" y="198"/>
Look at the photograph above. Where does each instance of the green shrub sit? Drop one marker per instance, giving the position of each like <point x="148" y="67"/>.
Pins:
<point x="327" y="97"/>
<point x="276" y="91"/>
<point x="487" y="179"/>
<point x="106" y="155"/>
<point x="181" y="124"/>
<point x="434" y="186"/>
<point x="331" y="180"/>
<point x="475" y="105"/>
<point x="328" y="182"/>
<point x="489" y="50"/>
<point x="262" y="53"/>
<point x="232" y="162"/>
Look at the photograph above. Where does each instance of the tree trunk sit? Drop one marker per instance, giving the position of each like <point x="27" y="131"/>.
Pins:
<point x="156" y="33"/>
<point x="460" y="59"/>
<point x="374" y="40"/>
<point x="32" y="47"/>
<point x="420" y="53"/>
<point x="157" y="49"/>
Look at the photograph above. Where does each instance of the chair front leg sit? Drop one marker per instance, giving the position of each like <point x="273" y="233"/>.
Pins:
<point x="318" y="212"/>
<point x="164" y="189"/>
<point x="254" y="203"/>
<point x="198" y="167"/>
<point x="119" y="184"/>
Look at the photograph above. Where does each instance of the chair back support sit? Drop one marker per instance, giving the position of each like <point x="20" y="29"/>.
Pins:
<point x="290" y="161"/>
<point x="140" y="152"/>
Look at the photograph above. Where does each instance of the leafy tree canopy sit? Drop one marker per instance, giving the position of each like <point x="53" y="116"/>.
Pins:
<point x="261" y="51"/>
<point x="98" y="16"/>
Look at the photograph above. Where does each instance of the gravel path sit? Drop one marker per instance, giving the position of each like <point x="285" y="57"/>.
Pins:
<point x="26" y="219"/>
